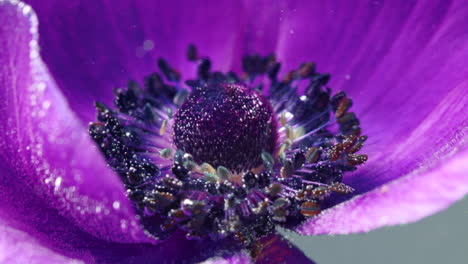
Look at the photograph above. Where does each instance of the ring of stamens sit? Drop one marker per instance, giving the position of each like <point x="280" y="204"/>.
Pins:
<point x="317" y="141"/>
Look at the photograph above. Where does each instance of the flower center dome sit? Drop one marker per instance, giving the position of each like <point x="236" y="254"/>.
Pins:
<point x="226" y="124"/>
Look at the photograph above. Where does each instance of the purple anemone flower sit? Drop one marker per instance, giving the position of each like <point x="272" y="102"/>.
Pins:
<point x="206" y="147"/>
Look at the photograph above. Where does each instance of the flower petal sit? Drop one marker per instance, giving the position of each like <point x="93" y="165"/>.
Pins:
<point x="19" y="247"/>
<point x="272" y="249"/>
<point x="241" y="258"/>
<point x="84" y="247"/>
<point x="52" y="173"/>
<point x="405" y="200"/>
<point x="396" y="77"/>
<point x="176" y="249"/>
<point x="407" y="82"/>
<point x="91" y="47"/>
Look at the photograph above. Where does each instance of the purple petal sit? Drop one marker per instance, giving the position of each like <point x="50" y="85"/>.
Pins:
<point x="91" y="47"/>
<point x="86" y="248"/>
<point x="19" y="247"/>
<point x="241" y="258"/>
<point x="53" y="177"/>
<point x="397" y="77"/>
<point x="272" y="249"/>
<point x="407" y="199"/>
<point x="403" y="65"/>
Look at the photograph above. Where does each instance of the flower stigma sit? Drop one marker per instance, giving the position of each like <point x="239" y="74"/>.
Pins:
<point x="226" y="124"/>
<point x="226" y="156"/>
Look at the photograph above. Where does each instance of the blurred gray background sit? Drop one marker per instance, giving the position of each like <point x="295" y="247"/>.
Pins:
<point x="440" y="238"/>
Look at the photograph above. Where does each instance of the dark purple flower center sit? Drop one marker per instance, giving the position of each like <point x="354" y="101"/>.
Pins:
<point x="226" y="125"/>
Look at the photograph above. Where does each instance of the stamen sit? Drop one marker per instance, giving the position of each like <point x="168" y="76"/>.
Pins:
<point x="310" y="208"/>
<point x="224" y="160"/>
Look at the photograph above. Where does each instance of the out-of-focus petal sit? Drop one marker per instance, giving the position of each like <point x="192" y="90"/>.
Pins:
<point x="241" y="258"/>
<point x="398" y="61"/>
<point x="260" y="31"/>
<point x="176" y="249"/>
<point x="89" y="249"/>
<point x="405" y="200"/>
<point x="91" y="47"/>
<point x="19" y="247"/>
<point x="52" y="175"/>
<point x="404" y="65"/>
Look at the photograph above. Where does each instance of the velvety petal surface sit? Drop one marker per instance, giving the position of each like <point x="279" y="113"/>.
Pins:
<point x="241" y="258"/>
<point x="92" y="47"/>
<point x="272" y="249"/>
<point x="52" y="176"/>
<point x="404" y="65"/>
<point x="398" y="60"/>
<point x="19" y="247"/>
<point x="177" y="249"/>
